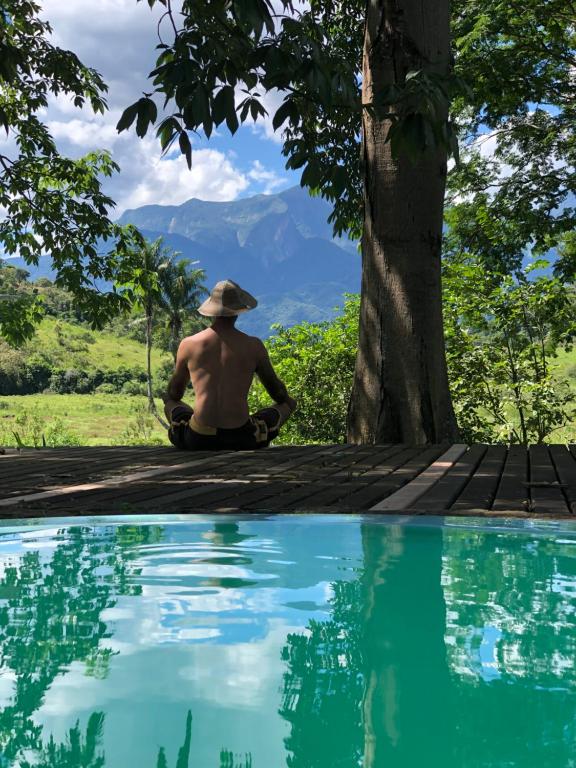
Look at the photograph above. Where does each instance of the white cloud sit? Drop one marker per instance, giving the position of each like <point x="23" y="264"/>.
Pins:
<point x="87" y="134"/>
<point x="263" y="126"/>
<point x="152" y="179"/>
<point x="118" y="38"/>
<point x="270" y="179"/>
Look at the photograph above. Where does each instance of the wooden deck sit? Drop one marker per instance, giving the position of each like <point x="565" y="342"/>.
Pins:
<point x="385" y="479"/>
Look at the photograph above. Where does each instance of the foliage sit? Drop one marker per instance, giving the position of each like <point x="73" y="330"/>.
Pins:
<point x="181" y="292"/>
<point x="516" y="180"/>
<point x="316" y="362"/>
<point x="140" y="430"/>
<point x="53" y="204"/>
<point x="31" y="429"/>
<point x="310" y="55"/>
<point x="502" y="332"/>
<point x="65" y="356"/>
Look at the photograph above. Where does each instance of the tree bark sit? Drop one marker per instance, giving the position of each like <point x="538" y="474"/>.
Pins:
<point x="151" y="403"/>
<point x="400" y="391"/>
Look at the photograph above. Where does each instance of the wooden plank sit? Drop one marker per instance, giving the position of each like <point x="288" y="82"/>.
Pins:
<point x="445" y="492"/>
<point x="547" y="498"/>
<point x="354" y="469"/>
<point x="512" y="493"/>
<point x="259" y="485"/>
<point x="74" y="489"/>
<point x="480" y="490"/>
<point x="29" y="475"/>
<point x="115" y="463"/>
<point x="565" y="465"/>
<point x="365" y="497"/>
<point x="410" y="492"/>
<point x="338" y="491"/>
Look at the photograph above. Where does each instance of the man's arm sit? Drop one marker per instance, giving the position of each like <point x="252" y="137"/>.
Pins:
<point x="181" y="376"/>
<point x="272" y="384"/>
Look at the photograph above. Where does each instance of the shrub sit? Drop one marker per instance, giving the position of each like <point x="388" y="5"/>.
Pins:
<point x="140" y="431"/>
<point x="316" y="362"/>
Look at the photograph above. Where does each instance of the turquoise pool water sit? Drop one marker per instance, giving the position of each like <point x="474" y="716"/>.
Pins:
<point x="297" y="641"/>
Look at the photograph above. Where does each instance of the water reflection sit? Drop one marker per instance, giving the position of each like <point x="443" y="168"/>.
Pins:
<point x="298" y="643"/>
<point x="51" y="600"/>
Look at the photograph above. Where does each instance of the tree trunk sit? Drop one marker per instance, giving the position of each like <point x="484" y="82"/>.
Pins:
<point x="400" y="391"/>
<point x="408" y="713"/>
<point x="151" y="404"/>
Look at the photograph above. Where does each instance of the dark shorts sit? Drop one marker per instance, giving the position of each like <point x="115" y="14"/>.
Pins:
<point x="257" y="432"/>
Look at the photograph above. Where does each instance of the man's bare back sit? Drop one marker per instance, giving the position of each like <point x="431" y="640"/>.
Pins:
<point x="221" y="362"/>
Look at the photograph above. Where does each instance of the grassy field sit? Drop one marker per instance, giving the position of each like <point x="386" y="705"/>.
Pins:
<point x="73" y="346"/>
<point x="78" y="420"/>
<point x="118" y="419"/>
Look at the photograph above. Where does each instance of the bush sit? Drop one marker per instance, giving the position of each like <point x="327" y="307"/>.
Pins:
<point x="140" y="431"/>
<point x="32" y="429"/>
<point x="316" y="362"/>
<point x="133" y="388"/>
<point x="106" y="389"/>
<point x="73" y="381"/>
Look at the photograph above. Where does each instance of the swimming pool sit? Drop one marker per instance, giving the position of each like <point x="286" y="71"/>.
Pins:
<point x="301" y="641"/>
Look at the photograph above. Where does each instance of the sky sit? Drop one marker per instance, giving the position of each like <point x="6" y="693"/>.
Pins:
<point x="118" y="39"/>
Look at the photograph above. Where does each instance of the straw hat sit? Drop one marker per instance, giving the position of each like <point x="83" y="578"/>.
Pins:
<point x="226" y="300"/>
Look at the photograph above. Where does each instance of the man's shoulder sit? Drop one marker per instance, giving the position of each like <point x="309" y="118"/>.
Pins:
<point x="203" y="334"/>
<point x="257" y="343"/>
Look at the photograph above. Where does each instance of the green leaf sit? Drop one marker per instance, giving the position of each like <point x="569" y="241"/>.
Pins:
<point x="186" y="147"/>
<point x="223" y="104"/>
<point x="147" y="113"/>
<point x="128" y="117"/>
<point x="284" y="112"/>
<point x="232" y="120"/>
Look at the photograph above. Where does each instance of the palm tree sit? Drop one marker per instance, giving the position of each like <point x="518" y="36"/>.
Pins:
<point x="153" y="259"/>
<point x="161" y="283"/>
<point x="181" y="291"/>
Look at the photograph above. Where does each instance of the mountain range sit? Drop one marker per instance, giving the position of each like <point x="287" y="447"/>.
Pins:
<point x="279" y="247"/>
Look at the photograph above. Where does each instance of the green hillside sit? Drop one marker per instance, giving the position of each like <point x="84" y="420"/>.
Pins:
<point x="66" y="345"/>
<point x="64" y="358"/>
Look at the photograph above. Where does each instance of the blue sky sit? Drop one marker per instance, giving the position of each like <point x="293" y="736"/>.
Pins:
<point x="118" y="38"/>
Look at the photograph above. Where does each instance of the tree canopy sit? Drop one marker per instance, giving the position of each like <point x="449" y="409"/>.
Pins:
<point x="513" y="106"/>
<point x="52" y="204"/>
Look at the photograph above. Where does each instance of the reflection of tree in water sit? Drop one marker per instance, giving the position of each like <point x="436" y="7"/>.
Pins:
<point x="353" y="688"/>
<point x="512" y="644"/>
<point x="523" y="589"/>
<point x="323" y="686"/>
<point x="50" y="617"/>
<point x="79" y="751"/>
<point x="378" y="685"/>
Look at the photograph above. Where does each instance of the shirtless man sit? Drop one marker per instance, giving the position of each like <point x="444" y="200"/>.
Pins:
<point x="221" y="362"/>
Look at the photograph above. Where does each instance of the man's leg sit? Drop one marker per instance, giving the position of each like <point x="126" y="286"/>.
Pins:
<point x="274" y="417"/>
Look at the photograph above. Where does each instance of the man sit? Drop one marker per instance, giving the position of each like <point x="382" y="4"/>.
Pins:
<point x="221" y="362"/>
